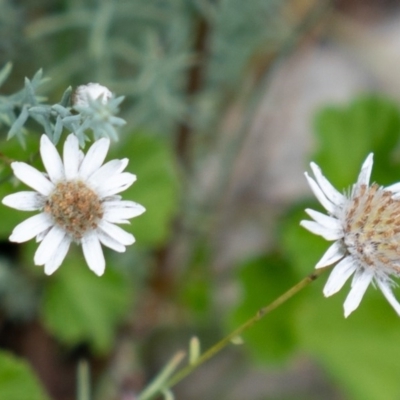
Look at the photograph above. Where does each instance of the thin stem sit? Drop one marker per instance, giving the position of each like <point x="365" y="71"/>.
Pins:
<point x="158" y="384"/>
<point x="83" y="381"/>
<point x="249" y="323"/>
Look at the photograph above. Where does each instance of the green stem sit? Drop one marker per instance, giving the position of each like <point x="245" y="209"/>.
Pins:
<point x="158" y="384"/>
<point x="83" y="381"/>
<point x="237" y="332"/>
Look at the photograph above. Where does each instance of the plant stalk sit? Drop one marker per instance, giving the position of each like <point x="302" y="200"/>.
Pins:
<point x="83" y="381"/>
<point x="211" y="352"/>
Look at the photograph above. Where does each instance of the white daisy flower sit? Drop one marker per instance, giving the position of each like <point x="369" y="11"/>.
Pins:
<point x="78" y="202"/>
<point x="365" y="228"/>
<point x="92" y="91"/>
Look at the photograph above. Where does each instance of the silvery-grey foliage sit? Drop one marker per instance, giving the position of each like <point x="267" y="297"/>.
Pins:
<point x="177" y="62"/>
<point x="17" y="109"/>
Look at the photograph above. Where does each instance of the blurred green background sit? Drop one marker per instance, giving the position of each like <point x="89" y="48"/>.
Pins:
<point x="226" y="103"/>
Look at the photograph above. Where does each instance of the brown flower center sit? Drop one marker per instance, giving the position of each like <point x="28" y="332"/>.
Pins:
<point x="372" y="228"/>
<point x="74" y="207"/>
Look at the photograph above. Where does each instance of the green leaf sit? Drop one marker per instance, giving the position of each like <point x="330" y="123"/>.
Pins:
<point x="66" y="97"/>
<point x="262" y="280"/>
<point x="17" y="380"/>
<point x="361" y="352"/>
<point x="302" y="248"/>
<point x="196" y="292"/>
<point x="12" y="151"/>
<point x="5" y="72"/>
<point x="78" y="306"/>
<point x="347" y="134"/>
<point x="196" y="295"/>
<point x="17" y="126"/>
<point x="157" y="189"/>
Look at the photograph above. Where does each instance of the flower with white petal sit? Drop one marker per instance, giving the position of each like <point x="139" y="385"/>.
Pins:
<point x="92" y="91"/>
<point x="78" y="202"/>
<point x="365" y="228"/>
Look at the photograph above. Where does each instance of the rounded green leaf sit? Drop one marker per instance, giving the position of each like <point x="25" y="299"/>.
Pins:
<point x="17" y="380"/>
<point x="361" y="352"/>
<point x="262" y="280"/>
<point x="12" y="151"/>
<point x="151" y="159"/>
<point x="79" y="306"/>
<point x="347" y="134"/>
<point x="302" y="248"/>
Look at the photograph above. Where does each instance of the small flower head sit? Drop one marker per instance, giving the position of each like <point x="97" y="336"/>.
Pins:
<point x="78" y="202"/>
<point x="365" y="228"/>
<point x="92" y="91"/>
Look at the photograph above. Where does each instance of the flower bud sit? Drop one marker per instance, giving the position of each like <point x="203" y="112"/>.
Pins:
<point x="92" y="91"/>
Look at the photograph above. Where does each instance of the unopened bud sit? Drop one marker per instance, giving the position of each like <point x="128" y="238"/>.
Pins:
<point x="92" y="91"/>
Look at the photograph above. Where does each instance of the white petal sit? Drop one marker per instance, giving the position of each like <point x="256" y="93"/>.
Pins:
<point x="71" y="157"/>
<point x="93" y="253"/>
<point x="106" y="171"/>
<point x="339" y="276"/>
<point x="117" y="233"/>
<point x="32" y="177"/>
<point x="42" y="235"/>
<point x="51" y="160"/>
<point x="49" y="245"/>
<point x="116" y="184"/>
<point x="319" y="194"/>
<point x="108" y="241"/>
<point x="31" y="227"/>
<point x="317" y="229"/>
<point x="359" y="286"/>
<point x="25" y="201"/>
<point x="58" y="257"/>
<point x="331" y="193"/>
<point x="118" y="211"/>
<point x="81" y="157"/>
<point x="333" y="254"/>
<point x="116" y="197"/>
<point x="94" y="158"/>
<point x="395" y="188"/>
<point x="324" y="220"/>
<point x="387" y="292"/>
<point x="365" y="174"/>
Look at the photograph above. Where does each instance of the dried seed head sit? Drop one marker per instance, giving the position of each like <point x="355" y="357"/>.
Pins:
<point x="372" y="228"/>
<point x="74" y="207"/>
